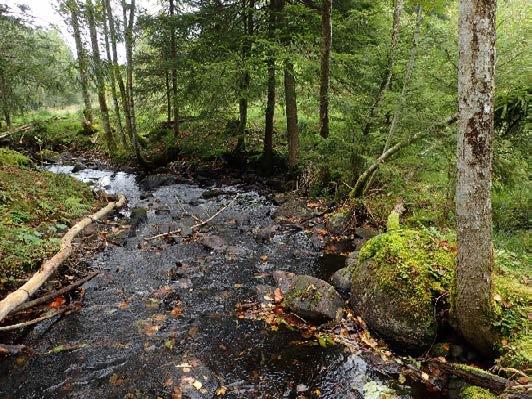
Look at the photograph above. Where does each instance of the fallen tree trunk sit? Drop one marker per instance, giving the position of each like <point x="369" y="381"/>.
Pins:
<point x="18" y="297"/>
<point x="360" y="185"/>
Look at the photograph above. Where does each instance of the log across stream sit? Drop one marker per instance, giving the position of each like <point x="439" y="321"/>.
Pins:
<point x="159" y="320"/>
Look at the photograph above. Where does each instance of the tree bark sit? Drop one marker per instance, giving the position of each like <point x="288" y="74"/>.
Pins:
<point x="168" y="97"/>
<point x="245" y="78"/>
<point x="98" y="72"/>
<point x="118" y="74"/>
<point x="476" y="70"/>
<point x="173" y="55"/>
<point x="385" y="83"/>
<point x="291" y="113"/>
<point x="113" y="79"/>
<point x="73" y="7"/>
<point x="128" y="35"/>
<point x="326" y="43"/>
<point x="270" y="103"/>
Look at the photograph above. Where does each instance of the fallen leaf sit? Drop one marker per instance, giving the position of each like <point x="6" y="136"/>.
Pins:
<point x="264" y="258"/>
<point x="57" y="302"/>
<point x="277" y="295"/>
<point x="197" y="384"/>
<point x="177" y="310"/>
<point x="221" y="390"/>
<point x="497" y="297"/>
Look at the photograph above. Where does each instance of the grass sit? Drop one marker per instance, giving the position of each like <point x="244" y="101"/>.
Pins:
<point x="35" y="209"/>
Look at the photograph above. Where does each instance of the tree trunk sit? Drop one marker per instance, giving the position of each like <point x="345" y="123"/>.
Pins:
<point x="113" y="80"/>
<point x="476" y="83"/>
<point x="385" y="83"/>
<point x="118" y="74"/>
<point x="128" y="35"/>
<point x="73" y="7"/>
<point x="406" y="81"/>
<point x="98" y="72"/>
<point x="173" y="55"/>
<point x="291" y="113"/>
<point x="245" y="78"/>
<point x="326" y="43"/>
<point x="168" y="97"/>
<point x="362" y="181"/>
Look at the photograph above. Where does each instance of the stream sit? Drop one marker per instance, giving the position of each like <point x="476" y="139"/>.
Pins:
<point x="159" y="320"/>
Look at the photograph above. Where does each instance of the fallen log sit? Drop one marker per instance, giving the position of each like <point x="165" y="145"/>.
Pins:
<point x="32" y="322"/>
<point x="54" y="294"/>
<point x="21" y="295"/>
<point x="11" y="349"/>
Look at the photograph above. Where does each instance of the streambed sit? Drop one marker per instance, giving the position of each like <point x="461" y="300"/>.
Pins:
<point x="160" y="321"/>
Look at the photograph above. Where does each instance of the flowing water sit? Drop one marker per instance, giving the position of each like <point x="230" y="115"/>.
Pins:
<point x="159" y="320"/>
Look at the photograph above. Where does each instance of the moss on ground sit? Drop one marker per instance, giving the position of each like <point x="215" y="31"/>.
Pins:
<point x="35" y="209"/>
<point x="10" y="157"/>
<point x="474" y="392"/>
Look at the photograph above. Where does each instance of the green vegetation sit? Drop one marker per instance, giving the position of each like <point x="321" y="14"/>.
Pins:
<point x="473" y="392"/>
<point x="12" y="158"/>
<point x="35" y="208"/>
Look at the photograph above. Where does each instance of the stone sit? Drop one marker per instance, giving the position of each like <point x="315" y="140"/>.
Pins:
<point x="396" y="280"/>
<point x="153" y="182"/>
<point x="342" y="280"/>
<point x="216" y="243"/>
<point x="313" y="299"/>
<point x="366" y="232"/>
<point x="337" y="222"/>
<point x="283" y="279"/>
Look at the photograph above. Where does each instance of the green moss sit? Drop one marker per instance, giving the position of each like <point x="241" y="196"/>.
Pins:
<point x="12" y="158"/>
<point x="35" y="207"/>
<point x="393" y="221"/>
<point x="474" y="392"/>
<point x="412" y="268"/>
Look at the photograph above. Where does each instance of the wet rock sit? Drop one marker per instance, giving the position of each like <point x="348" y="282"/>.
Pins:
<point x="266" y="233"/>
<point x="337" y="222"/>
<point x="283" y="279"/>
<point x="396" y="283"/>
<point x="216" y="243"/>
<point x="366" y="232"/>
<point x="78" y="167"/>
<point x="313" y="298"/>
<point x="352" y="259"/>
<point x="293" y="208"/>
<point x="162" y="210"/>
<point x="153" y="182"/>
<point x="214" y="192"/>
<point x="342" y="280"/>
<point x="138" y="217"/>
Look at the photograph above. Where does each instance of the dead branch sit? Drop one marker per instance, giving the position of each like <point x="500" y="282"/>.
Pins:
<point x="162" y="235"/>
<point x="18" y="297"/>
<point x="31" y="322"/>
<point x="216" y="214"/>
<point x="54" y="294"/>
<point x="11" y="349"/>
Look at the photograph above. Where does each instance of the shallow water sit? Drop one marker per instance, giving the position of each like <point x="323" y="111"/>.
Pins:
<point x="160" y="318"/>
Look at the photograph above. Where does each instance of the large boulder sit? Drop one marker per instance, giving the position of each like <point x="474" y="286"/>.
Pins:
<point x="398" y="276"/>
<point x="342" y="280"/>
<point x="313" y="298"/>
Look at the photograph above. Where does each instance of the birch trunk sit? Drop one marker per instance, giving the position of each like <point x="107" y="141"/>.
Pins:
<point x="98" y="72"/>
<point x="326" y="43"/>
<point x="476" y="69"/>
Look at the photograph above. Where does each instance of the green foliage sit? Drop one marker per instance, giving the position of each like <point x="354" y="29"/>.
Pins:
<point x="34" y="207"/>
<point x="474" y="392"/>
<point x="12" y="158"/>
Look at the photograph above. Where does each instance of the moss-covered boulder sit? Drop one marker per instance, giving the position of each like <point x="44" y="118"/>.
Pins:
<point x="396" y="282"/>
<point x="10" y="157"/>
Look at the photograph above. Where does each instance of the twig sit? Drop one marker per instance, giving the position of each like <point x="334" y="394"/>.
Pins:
<point x="170" y="233"/>
<point x="11" y="349"/>
<point x="31" y="322"/>
<point x="216" y="214"/>
<point x="56" y="293"/>
<point x="21" y="295"/>
<point x="197" y="219"/>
